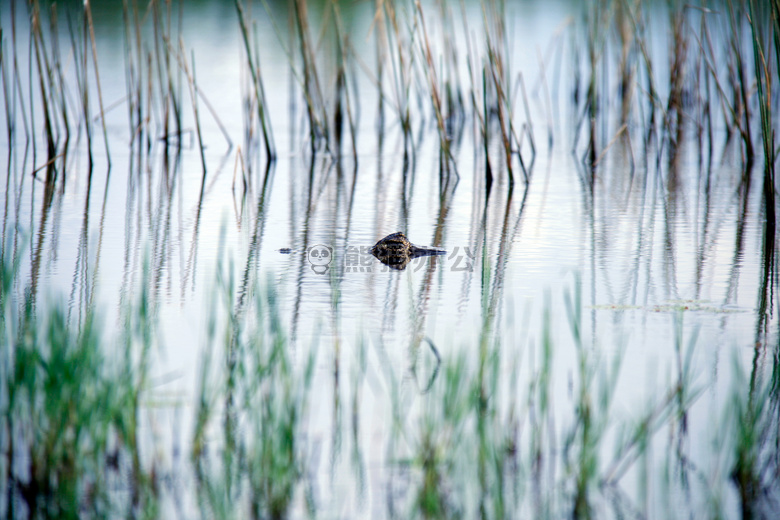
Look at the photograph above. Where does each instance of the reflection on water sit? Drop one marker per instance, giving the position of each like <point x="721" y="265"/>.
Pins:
<point x="652" y="212"/>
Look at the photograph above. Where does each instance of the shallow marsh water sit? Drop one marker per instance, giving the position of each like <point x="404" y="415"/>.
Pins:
<point x="665" y="246"/>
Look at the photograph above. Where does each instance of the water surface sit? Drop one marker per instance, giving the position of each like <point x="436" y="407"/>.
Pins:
<point x="664" y="242"/>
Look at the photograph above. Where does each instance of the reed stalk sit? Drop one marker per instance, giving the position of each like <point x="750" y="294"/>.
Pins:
<point x="88" y="14"/>
<point x="9" y="108"/>
<point x="497" y="65"/>
<point x="43" y="74"/>
<point x="764" y="88"/>
<point x="58" y="82"/>
<point x="315" y="106"/>
<point x="342" y="88"/>
<point x="194" y="97"/>
<point x="79" y="47"/>
<point x="402" y="60"/>
<point x="253" y="62"/>
<point x="742" y="87"/>
<point x="134" y="67"/>
<point x="446" y="158"/>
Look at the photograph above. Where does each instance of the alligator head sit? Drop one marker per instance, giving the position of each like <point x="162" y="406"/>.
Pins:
<point x="395" y="251"/>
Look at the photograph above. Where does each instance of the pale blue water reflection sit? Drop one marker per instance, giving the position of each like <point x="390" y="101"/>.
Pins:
<point x="665" y="241"/>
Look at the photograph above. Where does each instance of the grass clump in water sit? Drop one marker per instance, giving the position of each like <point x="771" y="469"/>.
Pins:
<point x="69" y="415"/>
<point x="752" y="418"/>
<point x="262" y="398"/>
<point x="494" y="440"/>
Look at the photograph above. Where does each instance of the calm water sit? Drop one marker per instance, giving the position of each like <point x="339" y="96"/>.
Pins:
<point x="666" y="244"/>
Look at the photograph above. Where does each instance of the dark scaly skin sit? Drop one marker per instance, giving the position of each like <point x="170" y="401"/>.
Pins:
<point x="396" y="251"/>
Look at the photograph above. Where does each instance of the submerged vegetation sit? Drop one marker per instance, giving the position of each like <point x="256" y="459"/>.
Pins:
<point x="524" y="424"/>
